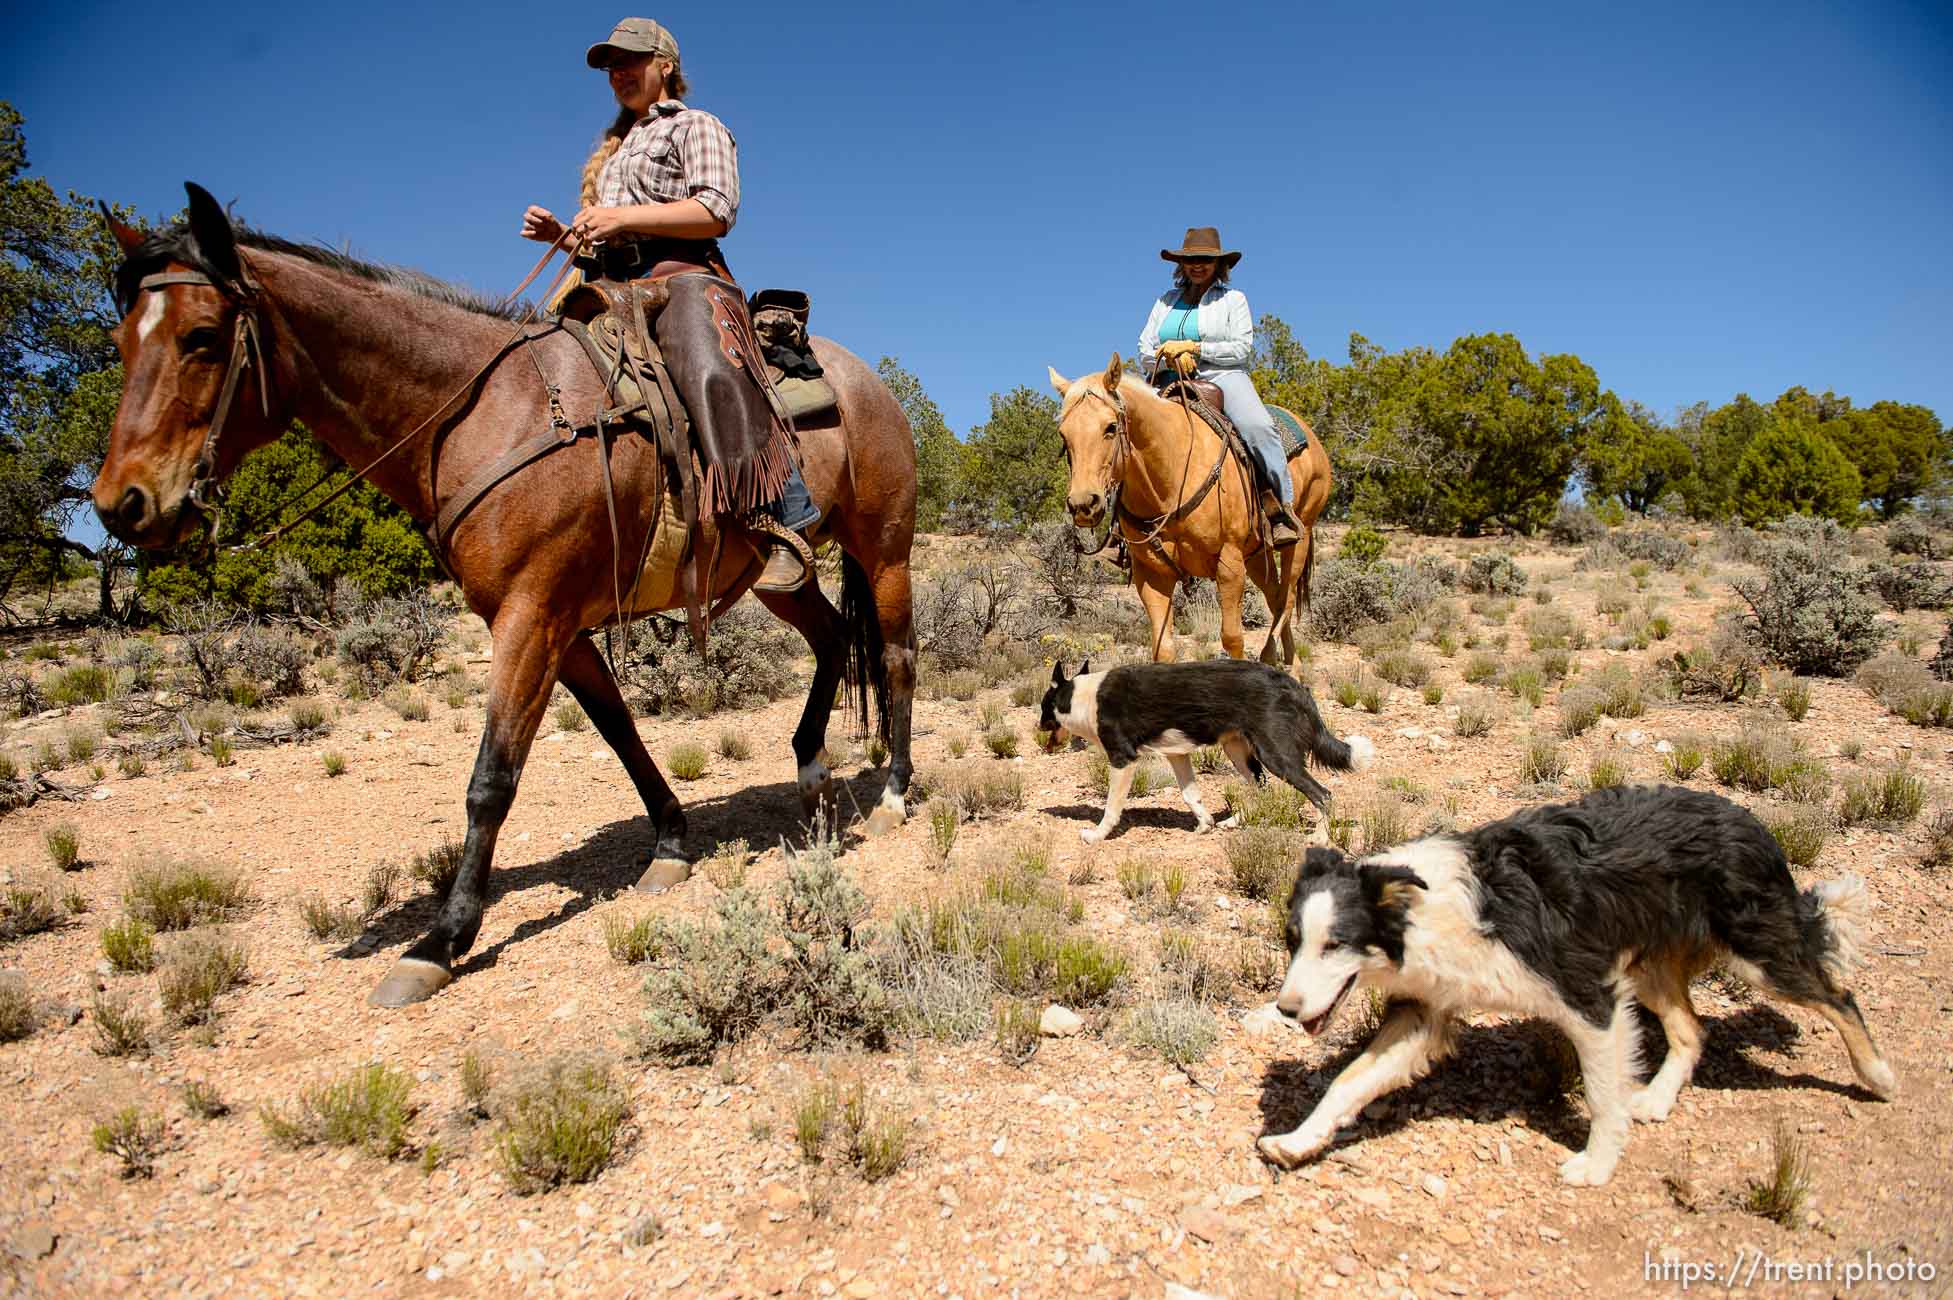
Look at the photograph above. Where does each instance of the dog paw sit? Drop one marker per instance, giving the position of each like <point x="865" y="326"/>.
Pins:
<point x="1649" y="1106"/>
<point x="1587" y="1169"/>
<point x="1092" y="836"/>
<point x="1288" y="1150"/>
<point x="1202" y="828"/>
<point x="1229" y="823"/>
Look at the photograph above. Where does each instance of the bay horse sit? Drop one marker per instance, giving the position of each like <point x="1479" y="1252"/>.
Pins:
<point x="361" y="353"/>
<point x="1182" y="508"/>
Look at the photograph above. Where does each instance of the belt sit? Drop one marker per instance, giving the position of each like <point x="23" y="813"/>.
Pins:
<point x="629" y="259"/>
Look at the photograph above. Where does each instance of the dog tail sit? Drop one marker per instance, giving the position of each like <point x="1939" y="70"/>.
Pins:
<point x="1352" y="755"/>
<point x="1834" y="916"/>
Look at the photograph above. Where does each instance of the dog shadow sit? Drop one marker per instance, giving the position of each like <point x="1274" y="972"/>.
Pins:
<point x="1533" y="1071"/>
<point x="611" y="861"/>
<point x="1086" y="816"/>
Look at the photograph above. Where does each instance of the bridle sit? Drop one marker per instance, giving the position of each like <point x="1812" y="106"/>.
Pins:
<point x="247" y="349"/>
<point x="1120" y="436"/>
<point x="247" y="346"/>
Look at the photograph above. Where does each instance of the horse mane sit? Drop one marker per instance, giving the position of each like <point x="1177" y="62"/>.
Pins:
<point x="177" y="244"/>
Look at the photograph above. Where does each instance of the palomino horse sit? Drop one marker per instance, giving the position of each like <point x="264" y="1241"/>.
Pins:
<point x="1182" y="508"/>
<point x="362" y="354"/>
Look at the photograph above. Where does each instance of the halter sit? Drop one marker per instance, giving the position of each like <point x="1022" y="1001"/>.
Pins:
<point x="247" y="346"/>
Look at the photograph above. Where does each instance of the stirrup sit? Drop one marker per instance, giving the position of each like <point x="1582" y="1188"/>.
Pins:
<point x="1284" y="529"/>
<point x="788" y="549"/>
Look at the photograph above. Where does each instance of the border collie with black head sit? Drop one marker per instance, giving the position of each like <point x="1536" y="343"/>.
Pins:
<point x="1260" y="715"/>
<point x="1568" y="912"/>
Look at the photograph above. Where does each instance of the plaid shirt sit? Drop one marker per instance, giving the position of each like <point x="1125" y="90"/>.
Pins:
<point x="675" y="153"/>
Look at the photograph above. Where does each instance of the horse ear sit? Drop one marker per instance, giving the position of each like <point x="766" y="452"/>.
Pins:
<point x="1058" y="381"/>
<point x="128" y="237"/>
<point x="1112" y="373"/>
<point x="1058" y="673"/>
<point x="210" y="226"/>
<point x="1085" y="667"/>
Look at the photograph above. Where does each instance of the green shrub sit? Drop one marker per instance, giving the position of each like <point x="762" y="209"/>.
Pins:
<point x="1403" y="667"/>
<point x="130" y="946"/>
<point x="1808" y="610"/>
<point x="133" y="1138"/>
<point x="1016" y="1030"/>
<point x="1780" y="1197"/>
<point x="1892" y="797"/>
<point x="1801" y="835"/>
<point x="63" y="841"/>
<point x="1605" y="769"/>
<point x="561" y="1127"/>
<point x="410" y="704"/>
<point x="570" y="716"/>
<point x="686" y="760"/>
<point x="120" y="1029"/>
<point x="1263" y="860"/>
<point x="307" y="716"/>
<point x="1385" y="823"/>
<point x="368" y="1109"/>
<point x="333" y="762"/>
<point x="1526" y="683"/>
<point x="734" y="745"/>
<point x="437" y="867"/>
<point x="202" y="1101"/>
<point x="1579" y="710"/>
<point x="28" y="908"/>
<point x="81" y="684"/>
<point x="176" y="896"/>
<point x="1493" y="574"/>
<point x="1178" y="1029"/>
<point x="1795" y="697"/>
<point x="197" y="970"/>
<point x="1002" y="742"/>
<point x="1686" y="758"/>
<point x="1543" y="763"/>
<point x="632" y="940"/>
<point x="1475" y="717"/>
<point x="1363" y="544"/>
<point x="18" y="1015"/>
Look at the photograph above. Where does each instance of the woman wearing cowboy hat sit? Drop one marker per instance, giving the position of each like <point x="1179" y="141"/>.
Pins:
<point x="1203" y="327"/>
<point x="662" y="186"/>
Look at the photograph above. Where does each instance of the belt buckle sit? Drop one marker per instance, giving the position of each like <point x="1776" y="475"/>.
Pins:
<point x="628" y="257"/>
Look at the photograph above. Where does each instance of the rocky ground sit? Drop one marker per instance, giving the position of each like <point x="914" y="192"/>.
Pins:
<point x="1093" y="1168"/>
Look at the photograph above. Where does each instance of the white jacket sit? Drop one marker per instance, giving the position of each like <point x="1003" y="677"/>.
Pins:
<point x="1227" y="329"/>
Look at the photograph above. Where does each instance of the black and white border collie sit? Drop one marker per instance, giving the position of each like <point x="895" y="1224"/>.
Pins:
<point x="1566" y="912"/>
<point x="1260" y="715"/>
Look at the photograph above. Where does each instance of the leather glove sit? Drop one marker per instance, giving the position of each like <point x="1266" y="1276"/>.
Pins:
<point x="1174" y="348"/>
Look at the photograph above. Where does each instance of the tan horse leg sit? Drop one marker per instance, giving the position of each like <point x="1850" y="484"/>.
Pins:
<point x="1275" y="576"/>
<point x="1230" y="580"/>
<point x="1155" y="583"/>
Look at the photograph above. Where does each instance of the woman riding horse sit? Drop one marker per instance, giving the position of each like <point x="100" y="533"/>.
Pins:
<point x="659" y="190"/>
<point x="1202" y="327"/>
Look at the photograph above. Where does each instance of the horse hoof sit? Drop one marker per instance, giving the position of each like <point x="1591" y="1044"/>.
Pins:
<point x="663" y="874"/>
<point x="883" y="820"/>
<point x="411" y="980"/>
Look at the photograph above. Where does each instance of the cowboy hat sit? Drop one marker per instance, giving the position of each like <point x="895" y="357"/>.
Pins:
<point x="1202" y="241"/>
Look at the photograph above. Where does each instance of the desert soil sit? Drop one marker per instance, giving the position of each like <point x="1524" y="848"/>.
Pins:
<point x="1093" y="1169"/>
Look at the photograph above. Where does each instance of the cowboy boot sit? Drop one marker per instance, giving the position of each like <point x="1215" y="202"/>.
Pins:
<point x="1284" y="529"/>
<point x="790" y="561"/>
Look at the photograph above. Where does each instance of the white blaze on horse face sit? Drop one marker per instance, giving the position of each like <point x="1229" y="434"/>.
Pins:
<point x="152" y="315"/>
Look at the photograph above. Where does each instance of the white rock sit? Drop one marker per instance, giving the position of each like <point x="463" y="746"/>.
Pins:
<point x="1265" y="1019"/>
<point x="1437" y="743"/>
<point x="1663" y="747"/>
<point x="1059" y="1022"/>
<point x="1433" y="1186"/>
<point x="1634" y="739"/>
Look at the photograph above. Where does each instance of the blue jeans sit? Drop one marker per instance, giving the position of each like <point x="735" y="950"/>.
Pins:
<point x="1257" y="427"/>
<point x="795" y="507"/>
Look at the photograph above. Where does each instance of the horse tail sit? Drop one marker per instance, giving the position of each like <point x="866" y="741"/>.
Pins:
<point x="863" y="667"/>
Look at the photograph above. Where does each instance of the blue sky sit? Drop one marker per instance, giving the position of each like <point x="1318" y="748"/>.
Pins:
<point x="1696" y="198"/>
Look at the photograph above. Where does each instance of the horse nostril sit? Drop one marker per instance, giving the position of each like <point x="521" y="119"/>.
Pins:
<point x="133" y="507"/>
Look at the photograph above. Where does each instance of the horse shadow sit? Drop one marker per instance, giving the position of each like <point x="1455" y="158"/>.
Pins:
<point x="1527" y="1070"/>
<point x="610" y="861"/>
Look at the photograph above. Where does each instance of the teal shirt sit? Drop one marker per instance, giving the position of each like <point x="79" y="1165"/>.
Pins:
<point x="1181" y="322"/>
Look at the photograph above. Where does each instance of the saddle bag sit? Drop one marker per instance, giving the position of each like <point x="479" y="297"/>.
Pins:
<point x="780" y="322"/>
